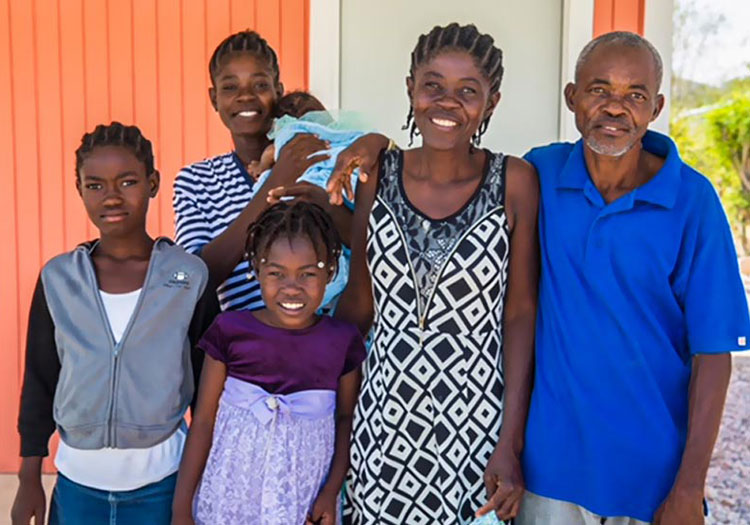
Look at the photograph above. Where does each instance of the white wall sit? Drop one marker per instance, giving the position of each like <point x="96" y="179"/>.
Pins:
<point x="377" y="37"/>
<point x="577" y="28"/>
<point x="658" y="28"/>
<point x="324" y="53"/>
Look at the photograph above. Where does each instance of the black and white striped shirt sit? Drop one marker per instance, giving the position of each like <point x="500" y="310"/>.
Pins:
<point x="208" y="196"/>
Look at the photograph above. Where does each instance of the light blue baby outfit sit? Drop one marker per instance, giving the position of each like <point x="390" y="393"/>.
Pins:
<point x="340" y="135"/>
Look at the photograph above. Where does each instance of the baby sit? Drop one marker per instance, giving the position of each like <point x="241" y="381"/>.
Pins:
<point x="294" y="104"/>
<point x="300" y="112"/>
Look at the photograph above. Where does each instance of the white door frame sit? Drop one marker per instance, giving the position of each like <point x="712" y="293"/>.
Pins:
<point x="325" y="52"/>
<point x="578" y="26"/>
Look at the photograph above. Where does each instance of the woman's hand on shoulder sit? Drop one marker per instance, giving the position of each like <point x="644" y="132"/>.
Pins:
<point x="323" y="510"/>
<point x="363" y="153"/>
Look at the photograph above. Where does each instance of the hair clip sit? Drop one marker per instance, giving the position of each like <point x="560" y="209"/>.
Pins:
<point x="321" y="264"/>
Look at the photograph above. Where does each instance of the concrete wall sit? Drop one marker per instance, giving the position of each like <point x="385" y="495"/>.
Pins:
<point x="377" y="39"/>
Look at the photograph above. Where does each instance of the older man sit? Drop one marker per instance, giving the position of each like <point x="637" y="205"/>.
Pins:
<point x="640" y="303"/>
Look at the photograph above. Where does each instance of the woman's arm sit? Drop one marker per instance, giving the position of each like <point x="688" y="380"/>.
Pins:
<point x="225" y="251"/>
<point x="356" y="303"/>
<point x="199" y="438"/>
<point x="324" y="508"/>
<point x="503" y="477"/>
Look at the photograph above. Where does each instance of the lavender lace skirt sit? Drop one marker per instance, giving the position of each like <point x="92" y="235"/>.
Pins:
<point x="269" y="457"/>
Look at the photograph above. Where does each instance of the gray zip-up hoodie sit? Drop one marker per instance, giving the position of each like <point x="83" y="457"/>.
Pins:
<point x="132" y="394"/>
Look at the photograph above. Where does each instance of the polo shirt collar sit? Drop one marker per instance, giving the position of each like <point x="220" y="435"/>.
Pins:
<point x="663" y="187"/>
<point x="661" y="190"/>
<point x="574" y="174"/>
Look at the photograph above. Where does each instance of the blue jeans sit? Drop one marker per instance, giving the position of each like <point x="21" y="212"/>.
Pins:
<point x="74" y="504"/>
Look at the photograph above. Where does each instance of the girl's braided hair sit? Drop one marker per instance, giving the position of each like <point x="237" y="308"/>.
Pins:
<point x="454" y="37"/>
<point x="116" y="134"/>
<point x="244" y="42"/>
<point x="286" y="221"/>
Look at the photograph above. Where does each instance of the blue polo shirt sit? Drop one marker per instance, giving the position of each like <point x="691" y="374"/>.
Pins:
<point x="629" y="291"/>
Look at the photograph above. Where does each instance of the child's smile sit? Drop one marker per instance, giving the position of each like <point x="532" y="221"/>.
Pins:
<point x="292" y="306"/>
<point x="292" y="281"/>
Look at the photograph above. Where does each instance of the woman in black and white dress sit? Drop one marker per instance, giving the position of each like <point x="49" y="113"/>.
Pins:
<point x="444" y="267"/>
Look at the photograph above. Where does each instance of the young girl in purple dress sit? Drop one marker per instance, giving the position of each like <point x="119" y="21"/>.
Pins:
<point x="269" y="442"/>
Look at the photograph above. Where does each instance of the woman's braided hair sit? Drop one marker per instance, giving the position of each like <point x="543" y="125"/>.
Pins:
<point x="244" y="42"/>
<point x="116" y="134"/>
<point x="286" y="221"/>
<point x="454" y="37"/>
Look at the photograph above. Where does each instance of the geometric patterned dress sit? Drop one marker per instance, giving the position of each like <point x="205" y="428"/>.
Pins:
<point x="430" y="406"/>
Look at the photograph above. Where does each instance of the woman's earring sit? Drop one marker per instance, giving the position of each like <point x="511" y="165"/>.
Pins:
<point x="321" y="264"/>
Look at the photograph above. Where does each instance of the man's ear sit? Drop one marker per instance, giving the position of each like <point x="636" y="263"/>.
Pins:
<point x="212" y="97"/>
<point x="279" y="89"/>
<point x="569" y="93"/>
<point x="154" y="180"/>
<point x="658" y="107"/>
<point x="78" y="185"/>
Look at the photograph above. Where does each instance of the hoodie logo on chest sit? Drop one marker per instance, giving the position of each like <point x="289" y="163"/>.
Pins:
<point x="179" y="279"/>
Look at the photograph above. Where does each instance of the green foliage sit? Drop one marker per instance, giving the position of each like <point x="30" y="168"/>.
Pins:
<point x="687" y="94"/>
<point x="715" y="140"/>
<point x="729" y="128"/>
<point x="711" y="124"/>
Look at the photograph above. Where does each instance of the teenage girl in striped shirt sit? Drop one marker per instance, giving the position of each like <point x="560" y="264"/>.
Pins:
<point x="215" y="200"/>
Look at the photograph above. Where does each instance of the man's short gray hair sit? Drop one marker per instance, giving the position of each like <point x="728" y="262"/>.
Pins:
<point x="624" y="38"/>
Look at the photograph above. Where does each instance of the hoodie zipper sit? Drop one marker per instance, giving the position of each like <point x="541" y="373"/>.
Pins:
<point x="115" y="347"/>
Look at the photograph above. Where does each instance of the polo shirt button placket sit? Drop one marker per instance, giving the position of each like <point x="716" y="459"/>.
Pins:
<point x="594" y="240"/>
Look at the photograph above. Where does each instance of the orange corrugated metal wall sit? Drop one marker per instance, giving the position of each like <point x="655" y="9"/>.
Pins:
<point x="67" y="65"/>
<point x="619" y="15"/>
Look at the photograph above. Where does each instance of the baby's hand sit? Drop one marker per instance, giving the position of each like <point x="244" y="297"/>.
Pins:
<point x="254" y="169"/>
<point x="257" y="167"/>
<point x="323" y="510"/>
